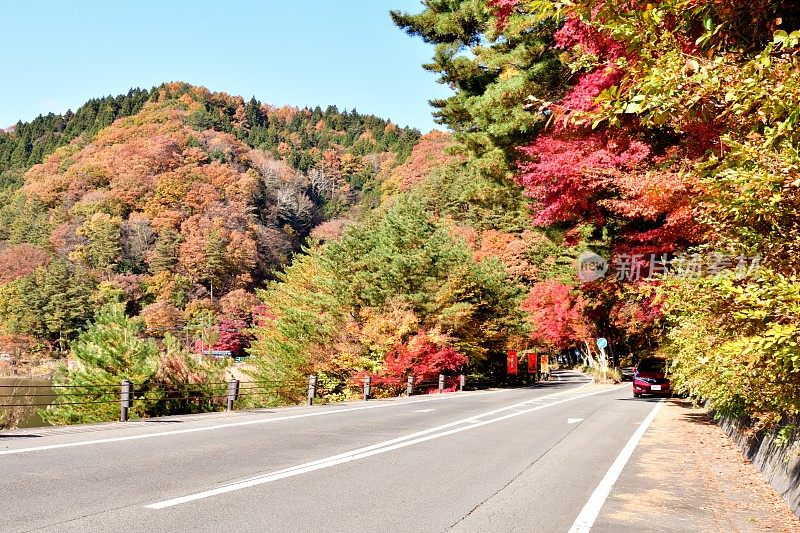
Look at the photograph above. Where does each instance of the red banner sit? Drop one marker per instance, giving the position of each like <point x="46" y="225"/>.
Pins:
<point x="532" y="363"/>
<point x="511" y="363"/>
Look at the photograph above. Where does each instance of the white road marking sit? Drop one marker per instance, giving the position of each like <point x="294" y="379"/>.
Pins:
<point x="587" y="516"/>
<point x="375" y="449"/>
<point x="423" y="410"/>
<point x="574" y="420"/>
<point x="376" y="405"/>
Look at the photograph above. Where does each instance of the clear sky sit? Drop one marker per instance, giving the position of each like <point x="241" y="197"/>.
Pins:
<point x="56" y="55"/>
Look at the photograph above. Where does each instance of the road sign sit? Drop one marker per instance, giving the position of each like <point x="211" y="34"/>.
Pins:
<point x="602" y="343"/>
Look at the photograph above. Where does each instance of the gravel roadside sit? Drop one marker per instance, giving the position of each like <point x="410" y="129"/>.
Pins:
<point x="687" y="475"/>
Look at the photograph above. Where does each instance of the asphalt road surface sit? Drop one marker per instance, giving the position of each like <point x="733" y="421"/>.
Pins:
<point x="529" y="459"/>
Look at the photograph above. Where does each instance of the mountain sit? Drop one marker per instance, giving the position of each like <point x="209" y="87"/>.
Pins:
<point x="158" y="198"/>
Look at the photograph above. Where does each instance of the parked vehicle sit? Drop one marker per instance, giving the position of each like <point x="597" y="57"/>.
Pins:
<point x="649" y="378"/>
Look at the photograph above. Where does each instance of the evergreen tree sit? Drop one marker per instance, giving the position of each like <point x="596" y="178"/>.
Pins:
<point x="51" y="303"/>
<point x="164" y="256"/>
<point x="104" y="117"/>
<point x="102" y="250"/>
<point x="216" y="259"/>
<point x="30" y="142"/>
<point x="495" y="83"/>
<point x="109" y="351"/>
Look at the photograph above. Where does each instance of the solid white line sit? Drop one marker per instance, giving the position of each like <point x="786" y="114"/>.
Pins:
<point x="376" y="405"/>
<point x="587" y="516"/>
<point x="368" y="451"/>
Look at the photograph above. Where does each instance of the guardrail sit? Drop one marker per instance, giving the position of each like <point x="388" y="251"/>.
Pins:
<point x="220" y="393"/>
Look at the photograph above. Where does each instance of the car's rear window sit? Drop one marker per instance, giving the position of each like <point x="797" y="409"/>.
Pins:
<point x="651" y="365"/>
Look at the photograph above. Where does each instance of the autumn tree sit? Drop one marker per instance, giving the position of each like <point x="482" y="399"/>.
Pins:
<point x="404" y="268"/>
<point x="162" y="317"/>
<point x="239" y="305"/>
<point x="557" y="314"/>
<point x="216" y="253"/>
<point x="20" y="260"/>
<point x="232" y="336"/>
<point x="428" y="154"/>
<point x="422" y="357"/>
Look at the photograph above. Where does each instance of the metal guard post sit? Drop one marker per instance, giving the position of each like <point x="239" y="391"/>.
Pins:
<point x="312" y="389"/>
<point x="233" y="393"/>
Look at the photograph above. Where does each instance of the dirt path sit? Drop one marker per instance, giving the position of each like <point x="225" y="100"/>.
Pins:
<point x="686" y="475"/>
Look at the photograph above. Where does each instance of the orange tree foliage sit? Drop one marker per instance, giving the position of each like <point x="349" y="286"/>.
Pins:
<point x="20" y="260"/>
<point x="218" y="250"/>
<point x="161" y="318"/>
<point x="239" y="305"/>
<point x="429" y="154"/>
<point x="512" y="250"/>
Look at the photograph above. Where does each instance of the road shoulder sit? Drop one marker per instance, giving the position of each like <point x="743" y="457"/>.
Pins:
<point x="687" y="475"/>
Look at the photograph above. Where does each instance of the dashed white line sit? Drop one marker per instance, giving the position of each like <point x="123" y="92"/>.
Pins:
<point x="375" y="449"/>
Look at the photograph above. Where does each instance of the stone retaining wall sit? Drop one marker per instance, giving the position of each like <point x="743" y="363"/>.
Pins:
<point x="779" y="463"/>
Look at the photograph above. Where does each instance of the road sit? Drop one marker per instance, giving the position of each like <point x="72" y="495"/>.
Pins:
<point x="528" y="459"/>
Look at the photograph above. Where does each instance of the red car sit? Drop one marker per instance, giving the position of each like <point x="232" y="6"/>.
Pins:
<point x="649" y="378"/>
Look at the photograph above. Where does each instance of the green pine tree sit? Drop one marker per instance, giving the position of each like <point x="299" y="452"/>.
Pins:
<point x="216" y="266"/>
<point x="164" y="256"/>
<point x="494" y="83"/>
<point x="109" y="351"/>
<point x="52" y="303"/>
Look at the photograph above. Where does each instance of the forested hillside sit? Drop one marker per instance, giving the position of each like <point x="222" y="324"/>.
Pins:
<point x="186" y="194"/>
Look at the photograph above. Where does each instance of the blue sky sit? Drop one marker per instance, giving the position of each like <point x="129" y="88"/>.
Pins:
<point x="57" y="55"/>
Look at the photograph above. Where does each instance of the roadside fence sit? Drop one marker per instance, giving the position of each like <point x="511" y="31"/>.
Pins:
<point x="200" y="397"/>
